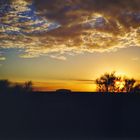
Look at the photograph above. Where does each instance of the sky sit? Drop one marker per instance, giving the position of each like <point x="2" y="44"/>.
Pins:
<point x="68" y="43"/>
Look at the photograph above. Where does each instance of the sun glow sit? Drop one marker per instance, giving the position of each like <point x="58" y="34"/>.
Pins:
<point x="121" y="73"/>
<point x="120" y="85"/>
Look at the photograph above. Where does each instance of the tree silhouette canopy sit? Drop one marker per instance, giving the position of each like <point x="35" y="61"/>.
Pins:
<point x="28" y="86"/>
<point x="109" y="82"/>
<point x="106" y="83"/>
<point x="4" y="85"/>
<point x="7" y="86"/>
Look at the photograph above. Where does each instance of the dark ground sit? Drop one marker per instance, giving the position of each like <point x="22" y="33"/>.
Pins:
<point x="72" y="116"/>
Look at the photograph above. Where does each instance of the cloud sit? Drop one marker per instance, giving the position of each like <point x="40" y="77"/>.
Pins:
<point x="135" y="59"/>
<point x="59" y="57"/>
<point x="43" y="27"/>
<point x="2" y="58"/>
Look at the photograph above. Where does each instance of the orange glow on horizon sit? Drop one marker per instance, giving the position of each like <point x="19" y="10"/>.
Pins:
<point x="45" y="86"/>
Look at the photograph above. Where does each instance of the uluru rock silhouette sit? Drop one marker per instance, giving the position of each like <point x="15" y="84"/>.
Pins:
<point x="63" y="91"/>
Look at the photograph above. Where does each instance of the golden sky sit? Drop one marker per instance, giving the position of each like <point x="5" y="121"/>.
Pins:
<point x="68" y="43"/>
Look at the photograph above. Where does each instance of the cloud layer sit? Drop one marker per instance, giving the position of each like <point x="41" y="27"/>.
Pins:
<point x="55" y="27"/>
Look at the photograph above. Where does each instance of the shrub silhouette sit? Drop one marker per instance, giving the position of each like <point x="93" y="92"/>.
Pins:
<point x="107" y="83"/>
<point x="4" y="85"/>
<point x="7" y="86"/>
<point x="17" y="88"/>
<point x="136" y="89"/>
<point x="28" y="86"/>
<point x="129" y="85"/>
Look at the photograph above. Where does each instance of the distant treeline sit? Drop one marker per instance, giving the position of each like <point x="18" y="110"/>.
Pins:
<point x="107" y="83"/>
<point x="6" y="86"/>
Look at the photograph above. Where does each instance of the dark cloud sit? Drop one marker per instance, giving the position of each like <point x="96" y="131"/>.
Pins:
<point x="76" y="16"/>
<point x="68" y="26"/>
<point x="83" y="18"/>
<point x="65" y="11"/>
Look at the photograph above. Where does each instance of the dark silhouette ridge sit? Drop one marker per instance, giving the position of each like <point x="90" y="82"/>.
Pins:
<point x="63" y="91"/>
<point x="44" y="115"/>
<point x="25" y="114"/>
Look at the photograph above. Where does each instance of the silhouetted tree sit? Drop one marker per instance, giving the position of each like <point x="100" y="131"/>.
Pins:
<point x="136" y="89"/>
<point x="106" y="83"/>
<point x="23" y="88"/>
<point x="129" y="85"/>
<point x="17" y="88"/>
<point x="4" y="85"/>
<point x="28" y="86"/>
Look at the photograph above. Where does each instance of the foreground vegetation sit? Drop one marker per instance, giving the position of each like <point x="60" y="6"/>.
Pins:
<point x="109" y="83"/>
<point x="7" y="86"/>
